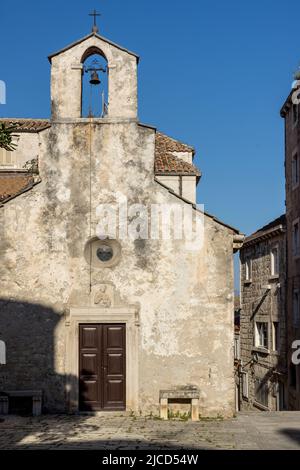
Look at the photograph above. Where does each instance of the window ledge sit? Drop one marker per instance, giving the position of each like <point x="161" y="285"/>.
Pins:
<point x="247" y="282"/>
<point x="13" y="170"/>
<point x="261" y="350"/>
<point x="274" y="277"/>
<point x="260" y="406"/>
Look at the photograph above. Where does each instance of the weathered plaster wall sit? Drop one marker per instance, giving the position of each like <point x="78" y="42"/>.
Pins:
<point x="189" y="188"/>
<point x="186" y="156"/>
<point x="27" y="148"/>
<point x="171" y="181"/>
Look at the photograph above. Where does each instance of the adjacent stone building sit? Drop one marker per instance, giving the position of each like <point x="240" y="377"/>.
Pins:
<point x="263" y="367"/>
<point x="106" y="323"/>
<point x="291" y="114"/>
<point x="237" y="350"/>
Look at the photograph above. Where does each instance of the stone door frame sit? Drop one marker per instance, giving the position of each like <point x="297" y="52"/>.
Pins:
<point x="78" y="315"/>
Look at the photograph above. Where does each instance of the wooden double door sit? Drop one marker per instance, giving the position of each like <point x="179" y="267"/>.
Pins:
<point x="102" y="367"/>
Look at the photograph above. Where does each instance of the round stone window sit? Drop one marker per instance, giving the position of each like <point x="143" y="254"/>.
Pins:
<point x="104" y="253"/>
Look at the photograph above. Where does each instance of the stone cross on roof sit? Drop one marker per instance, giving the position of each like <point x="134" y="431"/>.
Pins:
<point x="95" y="27"/>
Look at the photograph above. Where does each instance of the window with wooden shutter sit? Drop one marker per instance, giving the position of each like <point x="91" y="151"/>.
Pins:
<point x="7" y="159"/>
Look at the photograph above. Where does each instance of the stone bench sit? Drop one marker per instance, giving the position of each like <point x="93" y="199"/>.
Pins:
<point x="180" y="394"/>
<point x="36" y="396"/>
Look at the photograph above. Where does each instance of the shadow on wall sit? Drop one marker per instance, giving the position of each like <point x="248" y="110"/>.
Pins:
<point x="28" y="330"/>
<point x="292" y="433"/>
<point x="32" y="337"/>
<point x="33" y="347"/>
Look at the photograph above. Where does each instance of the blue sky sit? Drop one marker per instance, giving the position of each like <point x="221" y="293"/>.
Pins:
<point x="213" y="74"/>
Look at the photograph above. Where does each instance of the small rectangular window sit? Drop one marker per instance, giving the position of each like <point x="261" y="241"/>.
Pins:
<point x="296" y="309"/>
<point x="261" y="335"/>
<point x="7" y="159"/>
<point x="261" y="392"/>
<point x="248" y="269"/>
<point x="274" y="261"/>
<point x="237" y="348"/>
<point x="245" y="387"/>
<point x="275" y="336"/>
<point x="295" y="170"/>
<point x="295" y="235"/>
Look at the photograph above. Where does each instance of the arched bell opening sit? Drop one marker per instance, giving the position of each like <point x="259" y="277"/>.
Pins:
<point x="94" y="101"/>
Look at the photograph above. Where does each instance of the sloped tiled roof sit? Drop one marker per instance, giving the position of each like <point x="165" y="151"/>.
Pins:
<point x="273" y="228"/>
<point x="279" y="221"/>
<point x="12" y="184"/>
<point x="27" y="125"/>
<point x="165" y="144"/>
<point x="169" y="164"/>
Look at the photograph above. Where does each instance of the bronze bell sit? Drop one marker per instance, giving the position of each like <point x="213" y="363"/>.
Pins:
<point x="95" y="79"/>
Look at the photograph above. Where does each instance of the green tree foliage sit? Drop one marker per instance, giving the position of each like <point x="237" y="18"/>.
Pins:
<point x="7" y="136"/>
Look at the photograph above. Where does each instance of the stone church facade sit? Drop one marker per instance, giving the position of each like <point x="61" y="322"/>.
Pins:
<point x="105" y="324"/>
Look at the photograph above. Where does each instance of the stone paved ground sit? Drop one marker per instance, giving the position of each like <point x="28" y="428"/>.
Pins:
<point x="253" y="430"/>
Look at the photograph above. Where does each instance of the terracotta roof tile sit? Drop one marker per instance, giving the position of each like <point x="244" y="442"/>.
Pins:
<point x="165" y="144"/>
<point x="27" y="125"/>
<point x="12" y="184"/>
<point x="169" y="164"/>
